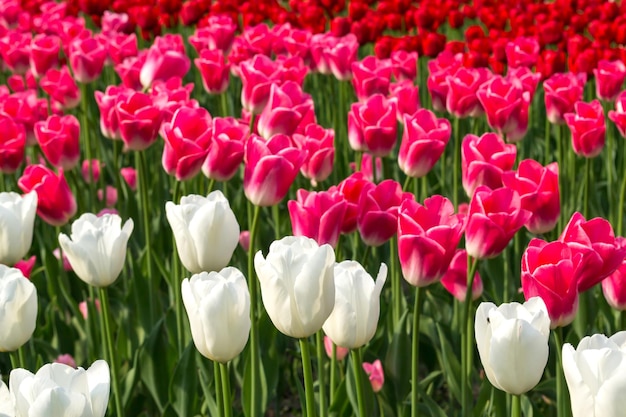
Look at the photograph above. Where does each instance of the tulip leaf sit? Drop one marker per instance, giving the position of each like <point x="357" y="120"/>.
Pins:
<point x="261" y="388"/>
<point x="484" y="396"/>
<point x="153" y="361"/>
<point x="341" y="404"/>
<point x="366" y="387"/>
<point x="398" y="355"/>
<point x="183" y="388"/>
<point x="430" y="404"/>
<point x="207" y="384"/>
<point x="527" y="406"/>
<point x="450" y="363"/>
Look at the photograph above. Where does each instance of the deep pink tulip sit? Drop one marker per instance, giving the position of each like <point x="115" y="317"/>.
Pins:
<point x="595" y="242"/>
<point x="271" y="166"/>
<point x="12" y="144"/>
<point x="352" y="188"/>
<point x="15" y="51"/>
<point x="454" y="280"/>
<point x="257" y="76"/>
<point x="214" y="70"/>
<point x="484" y="159"/>
<point x="318" y="215"/>
<point x="610" y="77"/>
<point x="90" y="170"/>
<point x="371" y="76"/>
<point x="375" y="374"/>
<point x="59" y="139"/>
<point x="297" y="42"/>
<point x="423" y="141"/>
<point x="341" y="55"/>
<point x="26" y="266"/>
<point x="87" y="58"/>
<point x="463" y="85"/>
<point x="55" y="202"/>
<point x="319" y="145"/>
<point x="404" y="65"/>
<point x="506" y="106"/>
<point x="522" y="52"/>
<point x="493" y="219"/>
<point x="588" y="128"/>
<point x="285" y="110"/>
<point x="66" y="359"/>
<point x="109" y="196"/>
<point x="372" y="126"/>
<point x="406" y="98"/>
<point x="60" y="86"/>
<point x="113" y="23"/>
<point x="321" y="43"/>
<point x="614" y="286"/>
<point x="377" y="218"/>
<point x="618" y="116"/>
<point x="527" y="77"/>
<point x="187" y="139"/>
<point x="130" y="176"/>
<point x="44" y="53"/>
<point x="166" y="59"/>
<point x="24" y="108"/>
<point x="371" y="167"/>
<point x="129" y="70"/>
<point x="139" y="120"/>
<point x="562" y="91"/>
<point x="219" y="33"/>
<point x="226" y="150"/>
<point x="171" y="95"/>
<point x="427" y="239"/>
<point x="244" y="240"/>
<point x="446" y="64"/>
<point x="550" y="271"/>
<point x="122" y="46"/>
<point x="66" y="263"/>
<point x="538" y="187"/>
<point x="109" y="123"/>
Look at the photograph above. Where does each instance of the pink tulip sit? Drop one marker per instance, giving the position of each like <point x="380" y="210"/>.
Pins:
<point x="257" y="76"/>
<point x="26" y="266"/>
<point x="87" y="58"/>
<point x="423" y="141"/>
<point x="244" y="240"/>
<point x="226" y="150"/>
<point x="406" y="98"/>
<point x="446" y="64"/>
<point x="84" y="311"/>
<point x="341" y="55"/>
<point x="377" y="219"/>
<point x="562" y="91"/>
<point x="588" y="128"/>
<point x="44" y="53"/>
<point x="219" y="33"/>
<point x="109" y="123"/>
<point x="526" y="77"/>
<point x="340" y="352"/>
<point x="122" y="46"/>
<point x="129" y="70"/>
<point x="27" y="109"/>
<point x="318" y="215"/>
<point x="618" y="116"/>
<point x="130" y="176"/>
<point x="614" y="286"/>
<point x="12" y="144"/>
<point x="214" y="70"/>
<point x="595" y="242"/>
<point x="271" y="166"/>
<point x="610" y="76"/>
<point x="319" y="145"/>
<point x="506" y="106"/>
<point x="375" y="373"/>
<point x="187" y="139"/>
<point x="372" y="126"/>
<point x="550" y="271"/>
<point x="66" y="359"/>
<point x="463" y="85"/>
<point x="109" y="196"/>
<point x="285" y="110"/>
<point x="321" y="43"/>
<point x="371" y="76"/>
<point x="171" y="95"/>
<point x="66" y="263"/>
<point x="166" y="59"/>
<point x="139" y="120"/>
<point x="59" y="139"/>
<point x="538" y="187"/>
<point x="55" y="204"/>
<point x="522" y="52"/>
<point x="90" y="170"/>
<point x="493" y="219"/>
<point x="427" y="239"/>
<point x="404" y="65"/>
<point x="483" y="160"/>
<point x="113" y="23"/>
<point x="352" y="188"/>
<point x="60" y="86"/>
<point x="297" y="43"/>
<point x="371" y="167"/>
<point x="15" y="51"/>
<point x="454" y="280"/>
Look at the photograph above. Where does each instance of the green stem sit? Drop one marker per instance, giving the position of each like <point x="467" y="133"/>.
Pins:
<point x="176" y="283"/>
<point x="308" y="377"/>
<point x="516" y="406"/>
<point x="587" y="180"/>
<point x="321" y="373"/>
<point x="224" y="103"/>
<point x="357" y="365"/>
<point x="228" y="404"/>
<point x="143" y="191"/>
<point x="84" y="127"/>
<point x="457" y="162"/>
<point x="396" y="284"/>
<point x="211" y="186"/>
<point x="219" y="395"/>
<point x="546" y="148"/>
<point x="561" y="391"/>
<point x="17" y="360"/>
<point x="366" y="255"/>
<point x="562" y="174"/>
<point x="467" y="353"/>
<point x="252" y="287"/>
<point x="333" y="373"/>
<point x="415" y="353"/>
<point x="276" y="218"/>
<point x="622" y="197"/>
<point x="407" y="183"/>
<point x="358" y="162"/>
<point x="106" y="312"/>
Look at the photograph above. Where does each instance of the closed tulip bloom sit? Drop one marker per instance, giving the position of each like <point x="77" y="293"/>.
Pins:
<point x="595" y="373"/>
<point x="214" y="70"/>
<point x="424" y="140"/>
<point x="404" y="65"/>
<point x="618" y="116"/>
<point x="12" y="144"/>
<point x="493" y="219"/>
<point x="371" y="76"/>
<point x="483" y="161"/>
<point x="463" y="85"/>
<point x="226" y="150"/>
<point x="375" y="374"/>
<point x="96" y="248"/>
<point x="528" y="79"/>
<point x="341" y="55"/>
<point x="122" y="46"/>
<point x="352" y="188"/>
<point x="614" y="286"/>
<point x="218" y="307"/>
<point x="538" y="187"/>
<point x="86" y="57"/>
<point x="166" y="59"/>
<point x="139" y="120"/>
<point x="60" y="390"/>
<point x="610" y="76"/>
<point x="454" y="280"/>
<point x="522" y="52"/>
<point x="109" y="122"/>
<point x="318" y="215"/>
<point x="427" y="239"/>
<point x="551" y="272"/>
<point x="18" y="309"/>
<point x="562" y="91"/>
<point x="319" y="145"/>
<point x="286" y="108"/>
<point x="44" y="53"/>
<point x="406" y="98"/>
<point x="17" y="218"/>
<point x="205" y="229"/>
<point x="512" y="343"/>
<point x="297" y="284"/>
<point x="588" y="128"/>
<point x="340" y="352"/>
<point x="506" y="106"/>
<point x="353" y="322"/>
<point x="372" y="126"/>
<point x="257" y="76"/>
<point x="59" y="139"/>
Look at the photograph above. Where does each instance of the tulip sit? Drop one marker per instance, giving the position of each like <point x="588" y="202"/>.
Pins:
<point x="506" y="106"/>
<point x="86" y="57"/>
<point x="446" y="64"/>
<point x="286" y="108"/>
<point x="90" y="170"/>
<point x="205" y="229"/>
<point x="528" y="79"/>
<point x="7" y="408"/>
<point x="18" y="309"/>
<point x="406" y="98"/>
<point x="562" y="91"/>
<point x="340" y="352"/>
<point x="427" y="239"/>
<point x="375" y="373"/>
<point x="353" y="321"/>
<point x="66" y="359"/>
<point x="226" y="150"/>
<point x="59" y="139"/>
<point x="166" y="59"/>
<point x="55" y="202"/>
<point x="319" y="145"/>
<point x="257" y="76"/>
<point x="96" y="248"/>
<point x="270" y="168"/>
<point x="26" y="266"/>
<point x="614" y="286"/>
<point x="404" y="65"/>
<point x="372" y="126"/>
<point x="218" y="307"/>
<point x="218" y="34"/>
<point x="618" y="116"/>
<point x="139" y="120"/>
<point x="109" y="121"/>
<point x="550" y="271"/>
<point x="12" y="144"/>
<point x="59" y="389"/>
<point x="352" y="188"/>
<point x="512" y="343"/>
<point x="130" y="176"/>
<point x="44" y="53"/>
<point x="522" y="52"/>
<point x="297" y="284"/>
<point x="493" y="219"/>
<point x="341" y="55"/>
<point x="610" y="76"/>
<point x="318" y="215"/>
<point x="371" y="76"/>
<point x="122" y="46"/>
<point x="595" y="373"/>
<point x="588" y="128"/>
<point x="214" y="70"/>
<point x="15" y="51"/>
<point x="483" y="161"/>
<point x="454" y="280"/>
<point x="463" y="85"/>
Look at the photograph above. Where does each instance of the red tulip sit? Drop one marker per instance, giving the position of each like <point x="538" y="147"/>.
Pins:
<point x="454" y="280"/>
<point x="562" y="91"/>
<point x="588" y="128"/>
<point x="12" y="144"/>
<point x="610" y="76"/>
<point x="214" y="70"/>
<point x="318" y="215"/>
<point x="59" y="139"/>
<point x="139" y="120"/>
<point x="226" y="150"/>
<point x="618" y="116"/>
<point x="372" y="126"/>
<point x="285" y="110"/>
<point x="506" y="106"/>
<point x="60" y="86"/>
<point x="424" y="140"/>
<point x="319" y="144"/>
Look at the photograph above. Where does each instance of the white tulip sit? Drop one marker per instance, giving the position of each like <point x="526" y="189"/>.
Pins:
<point x="357" y="305"/>
<point x="60" y="390"/>
<point x="7" y="408"/>
<point x="513" y="343"/>
<point x="297" y="284"/>
<point x="18" y="309"/>
<point x="205" y="229"/>
<point x="96" y="248"/>
<point x="596" y="375"/>
<point x="17" y="217"/>
<point x="218" y="307"/>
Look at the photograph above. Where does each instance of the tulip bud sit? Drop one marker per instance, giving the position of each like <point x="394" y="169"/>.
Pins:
<point x="218" y="306"/>
<point x="66" y="359"/>
<point x="17" y="217"/>
<point x="376" y="375"/>
<point x="513" y="343"/>
<point x="18" y="309"/>
<point x="340" y="352"/>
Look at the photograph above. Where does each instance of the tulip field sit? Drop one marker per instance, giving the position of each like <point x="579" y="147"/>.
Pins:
<point x="320" y="208"/>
